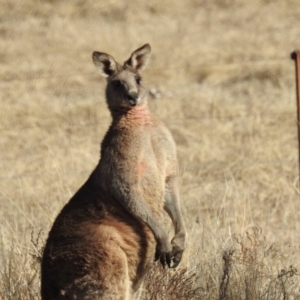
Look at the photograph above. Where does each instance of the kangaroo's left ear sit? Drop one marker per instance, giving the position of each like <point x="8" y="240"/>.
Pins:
<point x="139" y="58"/>
<point x="105" y="64"/>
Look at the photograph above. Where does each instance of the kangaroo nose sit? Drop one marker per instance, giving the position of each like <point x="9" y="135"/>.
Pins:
<point x="133" y="98"/>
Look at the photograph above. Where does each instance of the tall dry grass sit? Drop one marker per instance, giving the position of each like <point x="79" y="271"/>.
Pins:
<point x="221" y="79"/>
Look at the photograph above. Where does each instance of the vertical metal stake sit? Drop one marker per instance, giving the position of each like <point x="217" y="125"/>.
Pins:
<point x="296" y="56"/>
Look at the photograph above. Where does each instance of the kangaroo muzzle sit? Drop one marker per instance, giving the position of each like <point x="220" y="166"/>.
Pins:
<point x="133" y="98"/>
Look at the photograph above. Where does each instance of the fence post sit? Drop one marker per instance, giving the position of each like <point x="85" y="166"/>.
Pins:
<point x="296" y="57"/>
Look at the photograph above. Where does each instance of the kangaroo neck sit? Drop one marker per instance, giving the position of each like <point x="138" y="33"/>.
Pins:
<point x="138" y="115"/>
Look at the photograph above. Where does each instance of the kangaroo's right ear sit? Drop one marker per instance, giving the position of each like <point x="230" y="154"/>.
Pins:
<point x="105" y="64"/>
<point x="139" y="58"/>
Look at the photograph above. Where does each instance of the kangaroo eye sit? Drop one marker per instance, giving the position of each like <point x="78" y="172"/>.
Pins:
<point x="138" y="80"/>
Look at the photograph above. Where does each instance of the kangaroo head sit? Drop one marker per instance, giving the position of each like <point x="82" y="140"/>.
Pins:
<point x="124" y="83"/>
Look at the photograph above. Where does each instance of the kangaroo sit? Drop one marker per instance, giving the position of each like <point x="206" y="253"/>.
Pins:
<point x="105" y="238"/>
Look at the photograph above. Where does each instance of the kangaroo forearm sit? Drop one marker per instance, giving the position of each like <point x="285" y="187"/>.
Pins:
<point x="173" y="210"/>
<point x="140" y="210"/>
<point x="134" y="203"/>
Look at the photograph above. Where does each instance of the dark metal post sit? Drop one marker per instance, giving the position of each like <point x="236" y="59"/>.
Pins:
<point x="296" y="56"/>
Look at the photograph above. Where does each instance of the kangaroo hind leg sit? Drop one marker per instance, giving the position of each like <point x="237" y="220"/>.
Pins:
<point x="119" y="286"/>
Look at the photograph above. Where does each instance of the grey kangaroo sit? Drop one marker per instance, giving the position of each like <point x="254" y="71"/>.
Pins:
<point x="105" y="238"/>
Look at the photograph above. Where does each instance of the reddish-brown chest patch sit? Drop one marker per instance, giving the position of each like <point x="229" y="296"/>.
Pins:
<point x="140" y="168"/>
<point x="139" y="114"/>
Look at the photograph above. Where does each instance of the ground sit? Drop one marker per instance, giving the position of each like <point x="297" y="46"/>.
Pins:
<point x="221" y="78"/>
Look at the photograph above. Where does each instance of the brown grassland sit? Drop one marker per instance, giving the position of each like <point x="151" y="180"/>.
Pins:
<point x="220" y="77"/>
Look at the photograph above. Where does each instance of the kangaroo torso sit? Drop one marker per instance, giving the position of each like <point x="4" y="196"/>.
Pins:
<point x="133" y="150"/>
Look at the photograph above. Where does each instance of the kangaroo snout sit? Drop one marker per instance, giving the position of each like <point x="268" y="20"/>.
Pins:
<point x="133" y="98"/>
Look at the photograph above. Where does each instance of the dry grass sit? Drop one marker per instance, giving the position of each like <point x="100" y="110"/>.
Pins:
<point x="225" y="87"/>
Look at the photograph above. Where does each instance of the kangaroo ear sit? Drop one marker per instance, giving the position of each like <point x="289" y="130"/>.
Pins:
<point x="139" y="58"/>
<point x="105" y="64"/>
